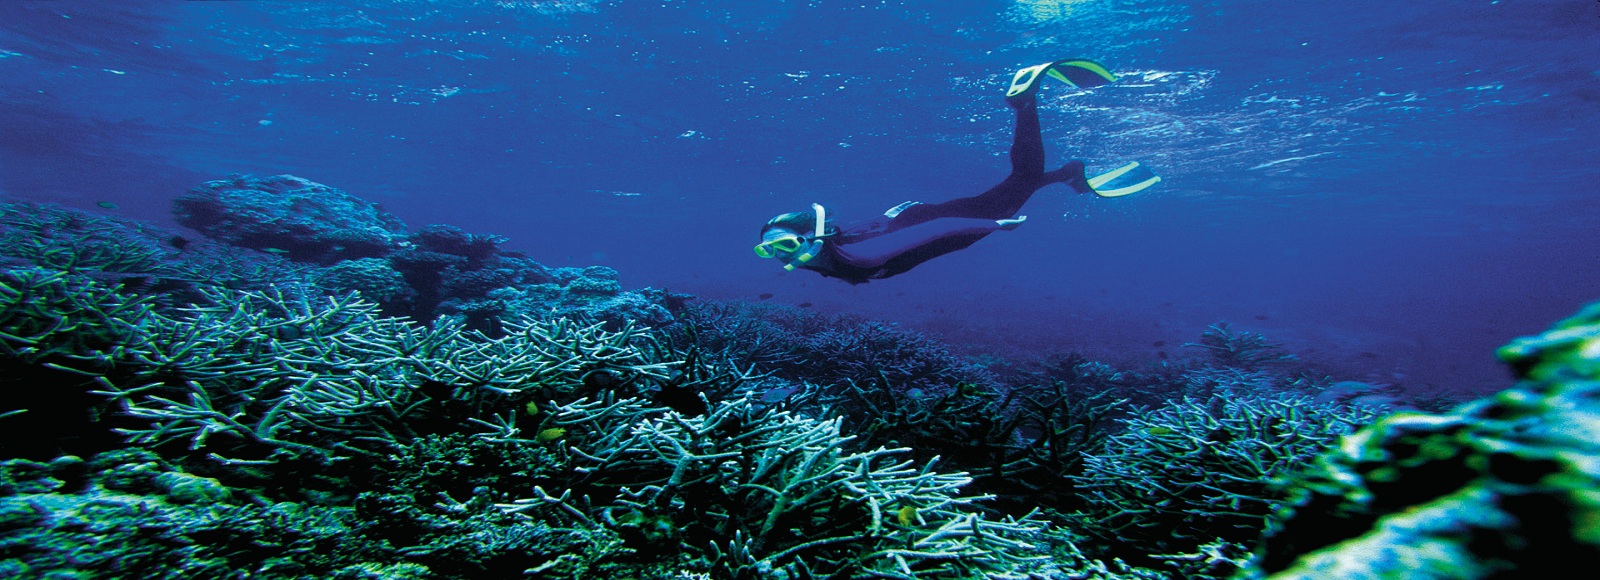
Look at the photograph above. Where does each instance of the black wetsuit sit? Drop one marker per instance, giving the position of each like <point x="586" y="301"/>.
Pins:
<point x="912" y="233"/>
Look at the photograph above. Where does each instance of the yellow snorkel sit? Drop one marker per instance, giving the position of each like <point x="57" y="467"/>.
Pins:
<point x="814" y="246"/>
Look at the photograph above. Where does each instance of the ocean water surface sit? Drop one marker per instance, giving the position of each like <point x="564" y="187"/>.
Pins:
<point x="1390" y="189"/>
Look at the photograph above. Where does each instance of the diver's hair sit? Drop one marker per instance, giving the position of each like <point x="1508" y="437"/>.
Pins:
<point x="802" y="222"/>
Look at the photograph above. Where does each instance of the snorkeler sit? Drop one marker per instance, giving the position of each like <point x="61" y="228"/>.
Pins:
<point x="913" y="232"/>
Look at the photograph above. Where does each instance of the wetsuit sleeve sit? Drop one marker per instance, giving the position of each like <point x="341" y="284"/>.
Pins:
<point x="917" y="243"/>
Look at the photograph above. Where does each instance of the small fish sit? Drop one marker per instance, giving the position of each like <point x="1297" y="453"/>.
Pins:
<point x="278" y="251"/>
<point x="550" y="434"/>
<point x="532" y="408"/>
<point x="805" y="304"/>
<point x="764" y="296"/>
<point x="907" y="515"/>
<point x="107" y="205"/>
<point x="178" y="242"/>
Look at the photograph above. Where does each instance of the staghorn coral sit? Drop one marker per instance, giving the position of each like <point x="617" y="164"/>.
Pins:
<point x="645" y="307"/>
<point x="159" y="264"/>
<point x="132" y="514"/>
<point x="51" y="317"/>
<point x="61" y="239"/>
<point x="257" y="373"/>
<point x="774" y="494"/>
<point x="293" y="434"/>
<point x="1247" y="351"/>
<point x="50" y="324"/>
<point x="830" y="350"/>
<point x="1194" y="471"/>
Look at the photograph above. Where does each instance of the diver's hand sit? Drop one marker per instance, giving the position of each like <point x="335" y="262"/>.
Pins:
<point x="1012" y="223"/>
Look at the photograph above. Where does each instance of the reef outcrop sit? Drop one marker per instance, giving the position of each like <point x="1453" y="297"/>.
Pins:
<point x="437" y="270"/>
<point x="1504" y="487"/>
<point x="304" y="220"/>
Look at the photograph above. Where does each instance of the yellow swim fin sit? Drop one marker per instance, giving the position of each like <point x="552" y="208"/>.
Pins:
<point x="1130" y="178"/>
<point x="1077" y="72"/>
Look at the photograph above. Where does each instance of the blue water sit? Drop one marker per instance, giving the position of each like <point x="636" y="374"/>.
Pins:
<point x="1392" y="189"/>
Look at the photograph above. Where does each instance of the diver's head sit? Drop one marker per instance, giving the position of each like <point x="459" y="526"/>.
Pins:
<point x="795" y="237"/>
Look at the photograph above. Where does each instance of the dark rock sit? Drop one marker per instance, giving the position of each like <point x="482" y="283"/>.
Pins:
<point x="300" y="219"/>
<point x="448" y="239"/>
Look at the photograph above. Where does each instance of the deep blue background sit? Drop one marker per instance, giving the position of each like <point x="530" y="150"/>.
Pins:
<point x="1393" y="188"/>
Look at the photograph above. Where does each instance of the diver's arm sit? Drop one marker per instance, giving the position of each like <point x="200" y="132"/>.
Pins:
<point x="878" y="250"/>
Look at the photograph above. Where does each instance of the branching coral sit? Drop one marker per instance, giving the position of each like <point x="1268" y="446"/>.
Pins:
<point x="72" y="241"/>
<point x="132" y="514"/>
<point x="829" y="350"/>
<point x="52" y="318"/>
<point x="1194" y="471"/>
<point x="1243" y="350"/>
<point x="772" y="492"/>
<point x="332" y="377"/>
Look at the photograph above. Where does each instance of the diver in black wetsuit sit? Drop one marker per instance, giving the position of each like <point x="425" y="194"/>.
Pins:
<point x="912" y="233"/>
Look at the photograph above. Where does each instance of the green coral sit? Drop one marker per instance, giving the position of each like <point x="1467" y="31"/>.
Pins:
<point x="52" y="317"/>
<point x="1195" y="471"/>
<point x="1568" y="351"/>
<point x="1247" y="351"/>
<point x="136" y="515"/>
<point x="72" y="241"/>
<point x="1506" y="486"/>
<point x="775" y="494"/>
<point x="106" y="529"/>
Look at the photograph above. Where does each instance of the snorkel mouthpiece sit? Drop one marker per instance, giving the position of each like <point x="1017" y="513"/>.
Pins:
<point x="813" y="247"/>
<point x="809" y="251"/>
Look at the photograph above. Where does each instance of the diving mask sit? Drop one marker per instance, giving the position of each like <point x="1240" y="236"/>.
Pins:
<point x="791" y="243"/>
<point x="786" y="244"/>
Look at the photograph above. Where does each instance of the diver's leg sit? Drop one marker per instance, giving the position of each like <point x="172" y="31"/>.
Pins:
<point x="1005" y="199"/>
<point x="1027" y="145"/>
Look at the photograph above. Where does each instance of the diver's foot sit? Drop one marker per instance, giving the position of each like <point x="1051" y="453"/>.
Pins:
<point x="1012" y="223"/>
<point x="1072" y="175"/>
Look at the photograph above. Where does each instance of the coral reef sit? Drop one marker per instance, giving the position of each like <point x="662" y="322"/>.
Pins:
<point x="1503" y="487"/>
<point x="374" y="278"/>
<point x="1193" y="472"/>
<point x="159" y="264"/>
<point x="254" y="414"/>
<point x="246" y="399"/>
<point x="439" y="270"/>
<point x="1242" y="350"/>
<point x="132" y="514"/>
<point x="307" y="221"/>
